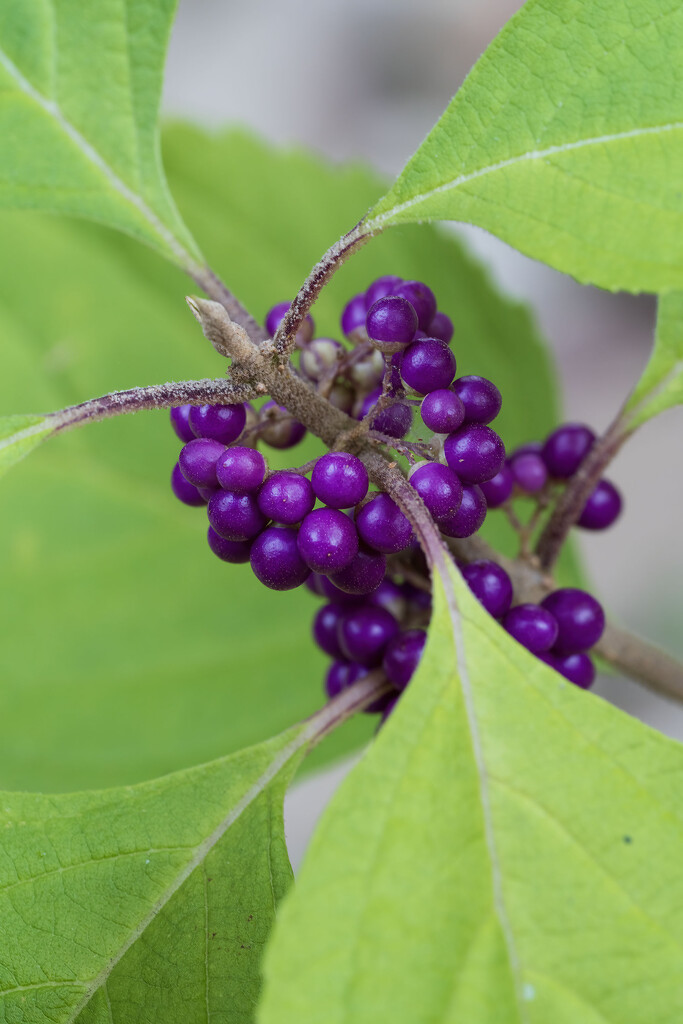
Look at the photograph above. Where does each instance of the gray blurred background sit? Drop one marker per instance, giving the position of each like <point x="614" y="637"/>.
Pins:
<point x="366" y="81"/>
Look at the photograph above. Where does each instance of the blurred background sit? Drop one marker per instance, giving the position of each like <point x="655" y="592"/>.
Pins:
<point x="365" y="80"/>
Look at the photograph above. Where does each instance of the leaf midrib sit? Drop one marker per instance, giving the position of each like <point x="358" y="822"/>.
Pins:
<point x="375" y="223"/>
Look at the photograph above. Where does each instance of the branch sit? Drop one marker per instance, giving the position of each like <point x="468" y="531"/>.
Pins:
<point x="216" y="290"/>
<point x="157" y="396"/>
<point x="285" y="337"/>
<point x="347" y="703"/>
<point x="641" y="661"/>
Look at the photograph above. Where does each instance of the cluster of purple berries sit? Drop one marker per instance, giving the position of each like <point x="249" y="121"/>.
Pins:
<point x="540" y="467"/>
<point x="354" y="547"/>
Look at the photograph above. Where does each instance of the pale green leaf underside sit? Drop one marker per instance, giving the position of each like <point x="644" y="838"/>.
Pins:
<point x="661" y="385"/>
<point x="507" y="852"/>
<point x="80" y="85"/>
<point x="182" y="680"/>
<point x="19" y="435"/>
<point x="566" y="140"/>
<point x="138" y="903"/>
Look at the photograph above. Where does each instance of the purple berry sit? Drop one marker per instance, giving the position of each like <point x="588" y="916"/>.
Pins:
<point x="427" y="365"/>
<point x="442" y="411"/>
<point x="207" y="493"/>
<point x="320" y="356"/>
<point x="334" y="594"/>
<point x="223" y="423"/>
<point x="275" y="559"/>
<point x="328" y="540"/>
<point x="441" y="327"/>
<point x="180" y="421"/>
<point x="340" y="480"/>
<point x="394" y="421"/>
<point x="391" y="321"/>
<point x="481" y="398"/>
<point x="353" y="315"/>
<point x="474" y="452"/>
<point x="183" y="489"/>
<point x="364" y="634"/>
<point x="529" y="472"/>
<point x="420" y="600"/>
<point x="386" y="285"/>
<point x="602" y="507"/>
<point x="421" y="299"/>
<point x="241" y="470"/>
<point x="439" y="488"/>
<point x="470" y="515"/>
<point x="525" y="449"/>
<point x="577" y="668"/>
<point x="198" y="460"/>
<point x="235" y="516"/>
<point x="275" y="316"/>
<point x="390" y="595"/>
<point x="532" y="626"/>
<point x="566" y="448"/>
<point x="286" y="497"/>
<point x="363" y="574"/>
<point x="388" y="708"/>
<point x="491" y="585"/>
<point x="382" y="525"/>
<point x="402" y="656"/>
<point x="279" y="430"/>
<point x="234" y="551"/>
<point x="325" y="626"/>
<point x="580" y="618"/>
<point x="340" y="675"/>
<point x="498" y="489"/>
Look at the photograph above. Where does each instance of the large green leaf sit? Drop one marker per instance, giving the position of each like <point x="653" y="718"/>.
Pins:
<point x="566" y="140"/>
<point x="80" y="85"/>
<point x="147" y="902"/>
<point x="128" y="650"/>
<point x="19" y="435"/>
<point x="661" y="385"/>
<point x="507" y="851"/>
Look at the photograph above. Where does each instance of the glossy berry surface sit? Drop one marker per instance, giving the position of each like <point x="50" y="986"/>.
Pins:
<point x="328" y="540"/>
<point x="390" y="595"/>
<point x="394" y="421"/>
<point x="275" y="316"/>
<point x="441" y="327"/>
<point x="498" y="489"/>
<point x="286" y="497"/>
<point x="223" y="423"/>
<point x="442" y="411"/>
<point x="529" y="472"/>
<point x="421" y="299"/>
<point x="491" y="585"/>
<point x="602" y="508"/>
<point x="427" y="365"/>
<point x="363" y="574"/>
<point x="469" y="517"/>
<point x="180" y="421"/>
<point x="353" y="315"/>
<point x="325" y="626"/>
<point x="578" y="668"/>
<point x="391" y="321"/>
<point x="386" y="285"/>
<point x="183" y="489"/>
<point x="235" y="516"/>
<point x="402" y="656"/>
<point x="566" y="448"/>
<point x="364" y="634"/>
<point x="439" y="488"/>
<point x="340" y="480"/>
<point x="241" y="470"/>
<point x="475" y="452"/>
<point x="198" y="460"/>
<point x="234" y="551"/>
<point x="275" y="559"/>
<point x="481" y="398"/>
<point x="340" y="676"/>
<point x="279" y="430"/>
<point x="579" y="616"/>
<point x="382" y="525"/>
<point x="532" y="626"/>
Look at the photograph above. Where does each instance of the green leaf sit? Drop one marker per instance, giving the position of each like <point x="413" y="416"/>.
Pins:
<point x="19" y="435"/>
<point x="80" y="86"/>
<point x="128" y="650"/>
<point x="133" y="903"/>
<point x="507" y="851"/>
<point x="566" y="140"/>
<point x="661" y="385"/>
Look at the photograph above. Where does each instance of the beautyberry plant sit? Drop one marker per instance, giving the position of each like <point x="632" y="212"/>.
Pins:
<point x="368" y="477"/>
